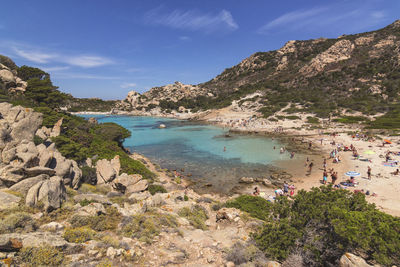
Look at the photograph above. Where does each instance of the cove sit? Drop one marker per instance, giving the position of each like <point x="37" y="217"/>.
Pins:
<point x="197" y="150"/>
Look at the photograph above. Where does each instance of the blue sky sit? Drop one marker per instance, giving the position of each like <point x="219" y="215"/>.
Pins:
<point x="104" y="48"/>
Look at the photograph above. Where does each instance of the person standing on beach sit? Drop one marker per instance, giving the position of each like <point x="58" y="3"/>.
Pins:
<point x="325" y="177"/>
<point x="369" y="173"/>
<point x="310" y="167"/>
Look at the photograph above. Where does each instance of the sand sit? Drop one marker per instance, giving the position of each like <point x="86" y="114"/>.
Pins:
<point x="385" y="185"/>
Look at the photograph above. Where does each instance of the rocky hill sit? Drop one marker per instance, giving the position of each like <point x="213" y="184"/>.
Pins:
<point x="324" y="77"/>
<point x="29" y="86"/>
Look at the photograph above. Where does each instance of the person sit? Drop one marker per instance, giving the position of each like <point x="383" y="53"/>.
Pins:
<point x="224" y="148"/>
<point x="285" y="188"/>
<point x="334" y="177"/>
<point x="256" y="191"/>
<point x="282" y="150"/>
<point x="396" y="172"/>
<point x="309" y="145"/>
<point x="310" y="167"/>
<point x="278" y="192"/>
<point x="325" y="177"/>
<point x="324" y="164"/>
<point x="291" y="154"/>
<point x="369" y="172"/>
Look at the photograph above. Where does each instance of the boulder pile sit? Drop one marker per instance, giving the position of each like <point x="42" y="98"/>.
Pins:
<point x="38" y="171"/>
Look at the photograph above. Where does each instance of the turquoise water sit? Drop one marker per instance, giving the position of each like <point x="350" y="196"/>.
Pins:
<point x="198" y="149"/>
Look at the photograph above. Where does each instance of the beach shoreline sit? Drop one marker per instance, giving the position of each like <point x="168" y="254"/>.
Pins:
<point x="383" y="184"/>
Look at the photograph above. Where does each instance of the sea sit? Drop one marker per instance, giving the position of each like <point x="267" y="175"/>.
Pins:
<point x="210" y="156"/>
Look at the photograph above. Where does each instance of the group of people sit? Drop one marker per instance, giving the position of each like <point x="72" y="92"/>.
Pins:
<point x="287" y="190"/>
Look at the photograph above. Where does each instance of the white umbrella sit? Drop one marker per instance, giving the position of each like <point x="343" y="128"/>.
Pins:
<point x="352" y="174"/>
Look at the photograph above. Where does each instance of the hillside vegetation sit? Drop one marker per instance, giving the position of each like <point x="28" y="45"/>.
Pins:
<point x="325" y="77"/>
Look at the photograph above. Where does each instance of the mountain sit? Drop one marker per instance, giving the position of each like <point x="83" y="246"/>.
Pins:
<point x="324" y="77"/>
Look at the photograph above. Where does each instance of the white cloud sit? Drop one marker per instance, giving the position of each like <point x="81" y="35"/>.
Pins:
<point x="128" y="85"/>
<point x="84" y="76"/>
<point x="345" y="15"/>
<point x="40" y="55"/>
<point x="87" y="61"/>
<point x="192" y="20"/>
<point x="35" y="56"/>
<point x="184" y="38"/>
<point x="290" y="18"/>
<point x="57" y="68"/>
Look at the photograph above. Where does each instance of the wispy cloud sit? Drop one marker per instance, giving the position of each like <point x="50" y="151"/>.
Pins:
<point x="184" y="38"/>
<point x="290" y="18"/>
<point x="353" y="17"/>
<point x="35" y="56"/>
<point x="85" y="76"/>
<point x="192" y="20"/>
<point x="88" y="61"/>
<point x="57" y="68"/>
<point x="43" y="56"/>
<point x="128" y="85"/>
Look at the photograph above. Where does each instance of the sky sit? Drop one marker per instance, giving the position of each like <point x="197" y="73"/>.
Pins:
<point x="104" y="48"/>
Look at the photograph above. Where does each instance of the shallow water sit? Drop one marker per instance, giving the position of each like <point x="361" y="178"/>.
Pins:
<point x="198" y="149"/>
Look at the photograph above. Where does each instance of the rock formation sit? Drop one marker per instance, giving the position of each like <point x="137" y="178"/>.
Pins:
<point x="37" y="171"/>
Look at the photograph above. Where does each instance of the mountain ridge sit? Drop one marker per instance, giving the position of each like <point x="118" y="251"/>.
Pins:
<point x="355" y="73"/>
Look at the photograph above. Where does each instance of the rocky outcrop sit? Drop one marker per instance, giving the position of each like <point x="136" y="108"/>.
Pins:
<point x="56" y="128"/>
<point x="340" y="51"/>
<point x="8" y="201"/>
<point x="10" y="81"/>
<point x="107" y="170"/>
<point x="351" y="260"/>
<point x="39" y="171"/>
<point x="50" y="192"/>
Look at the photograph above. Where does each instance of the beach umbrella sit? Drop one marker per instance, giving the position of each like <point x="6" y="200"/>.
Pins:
<point x="352" y="174"/>
<point x="387" y="141"/>
<point x="369" y="152"/>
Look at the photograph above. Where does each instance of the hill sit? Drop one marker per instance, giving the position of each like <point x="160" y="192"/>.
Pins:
<point x="31" y="87"/>
<point x="357" y="73"/>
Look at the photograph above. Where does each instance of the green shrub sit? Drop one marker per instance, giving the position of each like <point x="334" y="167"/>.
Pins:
<point x="41" y="256"/>
<point x="351" y="119"/>
<point x="17" y="222"/>
<point x="153" y="189"/>
<point x="37" y="140"/>
<point x="196" y="215"/>
<point x="322" y="225"/>
<point x="79" y="234"/>
<point x="312" y="119"/>
<point x="257" y="207"/>
<point x="146" y="226"/>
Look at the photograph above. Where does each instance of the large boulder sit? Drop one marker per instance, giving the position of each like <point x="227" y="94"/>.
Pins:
<point x="115" y="163"/>
<point x="93" y="209"/>
<point x="10" y="175"/>
<point x="56" y="128"/>
<point x="122" y="182"/>
<point x="105" y="172"/>
<point x="8" y="201"/>
<point x="36" y="239"/>
<point x="34" y="171"/>
<point x="24" y="185"/>
<point x="138" y="187"/>
<point x="51" y="193"/>
<point x="27" y="154"/>
<point x="351" y="260"/>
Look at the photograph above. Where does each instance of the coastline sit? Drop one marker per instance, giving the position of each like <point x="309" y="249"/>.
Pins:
<point x="383" y="184"/>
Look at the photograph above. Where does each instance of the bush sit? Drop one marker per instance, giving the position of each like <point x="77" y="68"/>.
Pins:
<point x="37" y="140"/>
<point x="257" y="207"/>
<point x="79" y="234"/>
<point x="322" y="225"/>
<point x="89" y="175"/>
<point x="312" y="120"/>
<point x="196" y="215"/>
<point x="41" y="256"/>
<point x="108" y="221"/>
<point x="146" y="226"/>
<point x="241" y="253"/>
<point x="17" y="222"/>
<point x="153" y="189"/>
